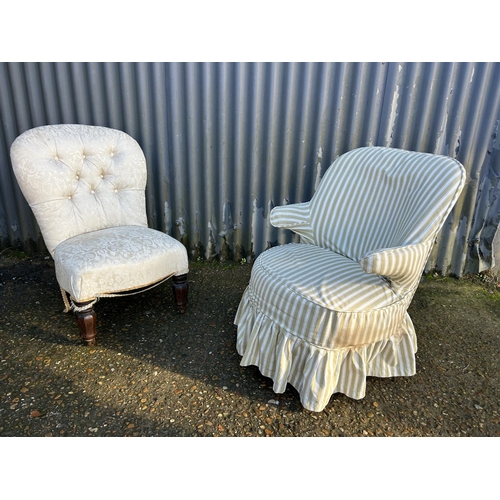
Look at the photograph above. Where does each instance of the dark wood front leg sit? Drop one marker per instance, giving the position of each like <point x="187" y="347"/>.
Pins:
<point x="86" y="321"/>
<point x="180" y="287"/>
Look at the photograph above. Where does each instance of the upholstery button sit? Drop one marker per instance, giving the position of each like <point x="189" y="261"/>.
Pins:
<point x="111" y="154"/>
<point x="56" y="158"/>
<point x="116" y="190"/>
<point x="92" y="191"/>
<point x="69" y="197"/>
<point x="83" y="156"/>
<point x="102" y="176"/>
<point x="77" y="176"/>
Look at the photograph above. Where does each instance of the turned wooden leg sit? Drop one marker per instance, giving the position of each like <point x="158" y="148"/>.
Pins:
<point x="180" y="287"/>
<point x="86" y="321"/>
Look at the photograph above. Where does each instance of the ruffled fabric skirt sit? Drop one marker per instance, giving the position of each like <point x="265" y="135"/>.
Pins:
<point x="321" y="350"/>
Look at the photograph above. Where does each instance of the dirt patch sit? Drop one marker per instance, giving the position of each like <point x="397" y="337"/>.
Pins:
<point x="156" y="373"/>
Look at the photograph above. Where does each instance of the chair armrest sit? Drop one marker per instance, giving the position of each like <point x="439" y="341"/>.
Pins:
<point x="402" y="265"/>
<point x="294" y="217"/>
<point x="290" y="216"/>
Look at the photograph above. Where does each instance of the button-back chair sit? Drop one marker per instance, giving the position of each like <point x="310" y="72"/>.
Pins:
<point x="86" y="187"/>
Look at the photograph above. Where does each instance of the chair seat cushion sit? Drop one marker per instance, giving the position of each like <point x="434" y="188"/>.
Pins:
<point x="323" y="297"/>
<point x="315" y="319"/>
<point x="117" y="259"/>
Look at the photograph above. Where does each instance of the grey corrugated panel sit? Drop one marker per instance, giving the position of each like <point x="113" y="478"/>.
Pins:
<point x="113" y="93"/>
<point x="162" y="219"/>
<point x="481" y="118"/>
<point x="18" y="221"/>
<point x="485" y="207"/>
<point x="49" y="93"/>
<point x="180" y="196"/>
<point x="144" y="132"/>
<point x="225" y="142"/>
<point x="201" y="186"/>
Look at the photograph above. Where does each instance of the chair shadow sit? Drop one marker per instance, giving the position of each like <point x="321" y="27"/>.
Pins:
<point x="144" y="334"/>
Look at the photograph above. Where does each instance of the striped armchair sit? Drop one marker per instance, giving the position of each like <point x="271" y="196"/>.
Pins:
<point x="325" y="313"/>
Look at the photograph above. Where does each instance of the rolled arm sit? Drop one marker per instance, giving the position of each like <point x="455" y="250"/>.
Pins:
<point x="294" y="217"/>
<point x="402" y="265"/>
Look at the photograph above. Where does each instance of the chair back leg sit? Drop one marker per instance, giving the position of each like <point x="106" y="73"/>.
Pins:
<point x="180" y="288"/>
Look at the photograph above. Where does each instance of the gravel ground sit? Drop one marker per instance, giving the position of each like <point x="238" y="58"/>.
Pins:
<point x="156" y="373"/>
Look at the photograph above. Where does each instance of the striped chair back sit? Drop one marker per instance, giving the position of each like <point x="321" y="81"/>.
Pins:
<point x="374" y="198"/>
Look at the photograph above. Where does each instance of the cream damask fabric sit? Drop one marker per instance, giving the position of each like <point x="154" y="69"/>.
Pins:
<point x="79" y="178"/>
<point x="326" y="313"/>
<point x="85" y="185"/>
<point x="116" y="260"/>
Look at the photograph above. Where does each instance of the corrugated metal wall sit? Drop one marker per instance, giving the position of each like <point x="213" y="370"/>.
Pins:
<point x="225" y="142"/>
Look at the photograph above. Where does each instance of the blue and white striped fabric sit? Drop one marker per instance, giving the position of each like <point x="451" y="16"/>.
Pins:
<point x="331" y="310"/>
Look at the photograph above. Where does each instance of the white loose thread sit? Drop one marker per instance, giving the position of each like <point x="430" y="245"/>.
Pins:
<point x="68" y="307"/>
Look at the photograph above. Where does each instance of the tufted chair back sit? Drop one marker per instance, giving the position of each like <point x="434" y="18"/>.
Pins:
<point x="80" y="178"/>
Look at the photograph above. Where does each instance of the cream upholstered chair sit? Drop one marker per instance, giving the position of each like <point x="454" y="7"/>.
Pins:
<point x="86" y="187"/>
<point x="325" y="313"/>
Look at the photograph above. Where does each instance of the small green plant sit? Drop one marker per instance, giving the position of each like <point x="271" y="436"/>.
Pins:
<point x="14" y="253"/>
